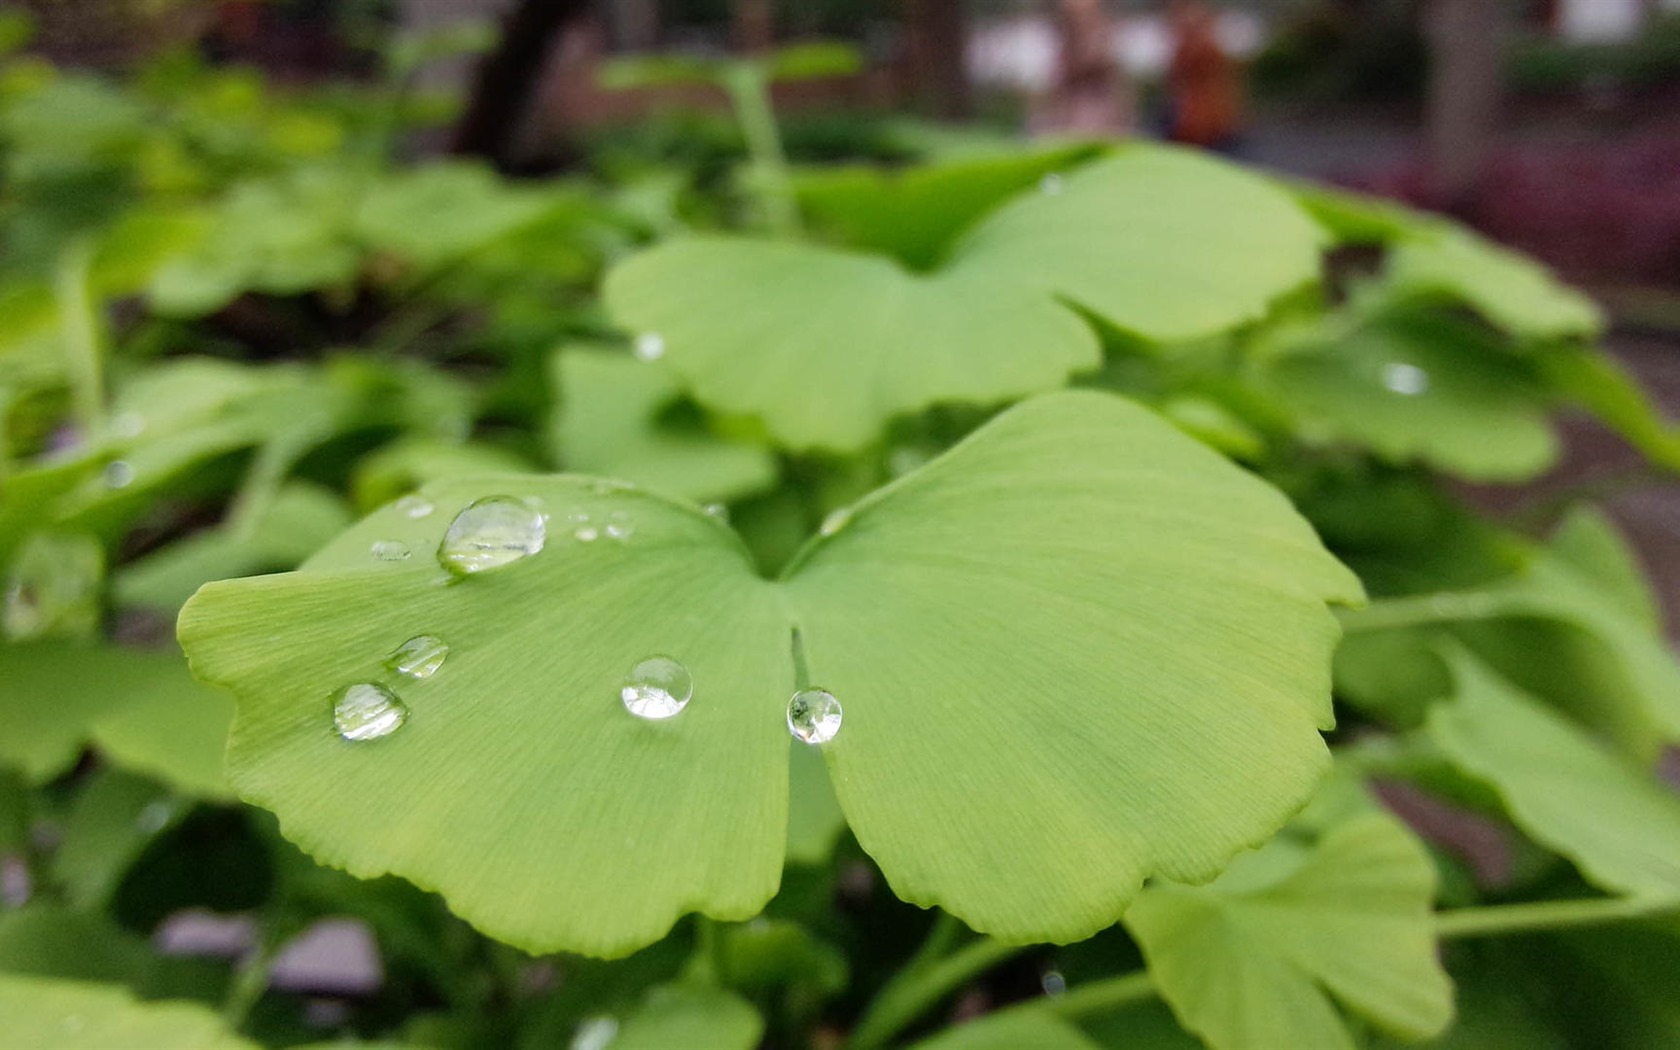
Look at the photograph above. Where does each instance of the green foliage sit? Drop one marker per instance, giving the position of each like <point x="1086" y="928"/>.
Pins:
<point x="1088" y="645"/>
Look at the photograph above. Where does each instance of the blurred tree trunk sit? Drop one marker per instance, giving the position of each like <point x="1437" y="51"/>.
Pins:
<point x="938" y="41"/>
<point x="755" y="25"/>
<point x="634" y="24"/>
<point x="508" y="77"/>
<point x="1466" y="86"/>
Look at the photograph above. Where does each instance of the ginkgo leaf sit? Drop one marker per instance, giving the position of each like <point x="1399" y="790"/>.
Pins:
<point x="610" y="421"/>
<point x="143" y="708"/>
<point x="1061" y="637"/>
<point x="1264" y="955"/>
<point x="1510" y="290"/>
<point x="1618" y="823"/>
<point x="826" y="345"/>
<point x="1076" y="593"/>
<point x="1421" y="387"/>
<point x="690" y="1017"/>
<point x="46" y="1014"/>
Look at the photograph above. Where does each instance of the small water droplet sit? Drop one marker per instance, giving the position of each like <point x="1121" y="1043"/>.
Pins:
<point x="128" y="424"/>
<point x="720" y="511"/>
<point x="367" y="711"/>
<point x="419" y="657"/>
<point x="657" y="687"/>
<point x="1054" y="983"/>
<point x="619" y="526"/>
<point x="650" y="346"/>
<point x="490" y="533"/>
<point x="1050" y="185"/>
<point x="389" y="550"/>
<point x="1405" y="379"/>
<point x="154" y="815"/>
<point x="905" y="458"/>
<point x="606" y="486"/>
<point x="835" y="521"/>
<point x="813" y="715"/>
<point x="595" y="1033"/>
<point x="415" y="507"/>
<point x="119" y="474"/>
<point x="585" y="533"/>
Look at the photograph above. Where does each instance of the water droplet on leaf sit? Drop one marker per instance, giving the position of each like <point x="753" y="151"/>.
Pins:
<point x="650" y="346"/>
<point x="657" y="687"/>
<point x="415" y="507"/>
<point x="490" y="533"/>
<point x="720" y="511"/>
<point x="154" y="815"/>
<point x="585" y="533"/>
<point x="1054" y="983"/>
<point x="367" y="711"/>
<point x="1402" y="378"/>
<point x="389" y="550"/>
<point x="813" y="715"/>
<point x="835" y="521"/>
<point x="595" y="1033"/>
<point x="119" y="474"/>
<point x="1050" y="184"/>
<point x="419" y="657"/>
<point x="619" y="526"/>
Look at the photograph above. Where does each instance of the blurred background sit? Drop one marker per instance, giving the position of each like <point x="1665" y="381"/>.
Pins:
<point x="1551" y="125"/>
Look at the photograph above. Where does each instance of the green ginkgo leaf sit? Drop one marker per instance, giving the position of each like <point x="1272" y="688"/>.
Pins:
<point x="690" y="1017"/>
<point x="1509" y="290"/>
<point x="826" y="345"/>
<point x="143" y="708"/>
<point x="1263" y="956"/>
<point x="1076" y="594"/>
<point x="46" y="1014"/>
<point x="610" y="421"/>
<point x="1618" y="823"/>
<point x="1420" y="387"/>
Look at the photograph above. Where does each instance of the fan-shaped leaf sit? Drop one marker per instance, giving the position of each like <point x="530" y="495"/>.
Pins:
<point x="1259" y="957"/>
<point x="43" y="1014"/>
<point x="609" y="422"/>
<point x="826" y="345"/>
<point x="1077" y="594"/>
<point x="1616" y="822"/>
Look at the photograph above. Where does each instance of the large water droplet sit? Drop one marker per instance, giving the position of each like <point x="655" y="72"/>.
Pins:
<point x="415" y="507"/>
<point x="419" y="657"/>
<point x="813" y="715"/>
<point x="595" y="1033"/>
<point x="119" y="474"/>
<point x="367" y="711"/>
<point x="658" y="687"/>
<point x="650" y="346"/>
<point x="389" y="550"/>
<point x="1402" y="378"/>
<point x="490" y="533"/>
<point x="835" y="521"/>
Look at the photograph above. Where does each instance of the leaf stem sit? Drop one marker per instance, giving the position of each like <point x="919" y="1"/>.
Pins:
<point x="1500" y="919"/>
<point x="79" y="324"/>
<point x="918" y="987"/>
<point x="250" y="981"/>
<point x="748" y="87"/>
<point x="1421" y="611"/>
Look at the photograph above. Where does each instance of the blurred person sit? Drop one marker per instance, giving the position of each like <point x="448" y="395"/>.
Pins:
<point x="1204" y="84"/>
<point x="1091" y="94"/>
